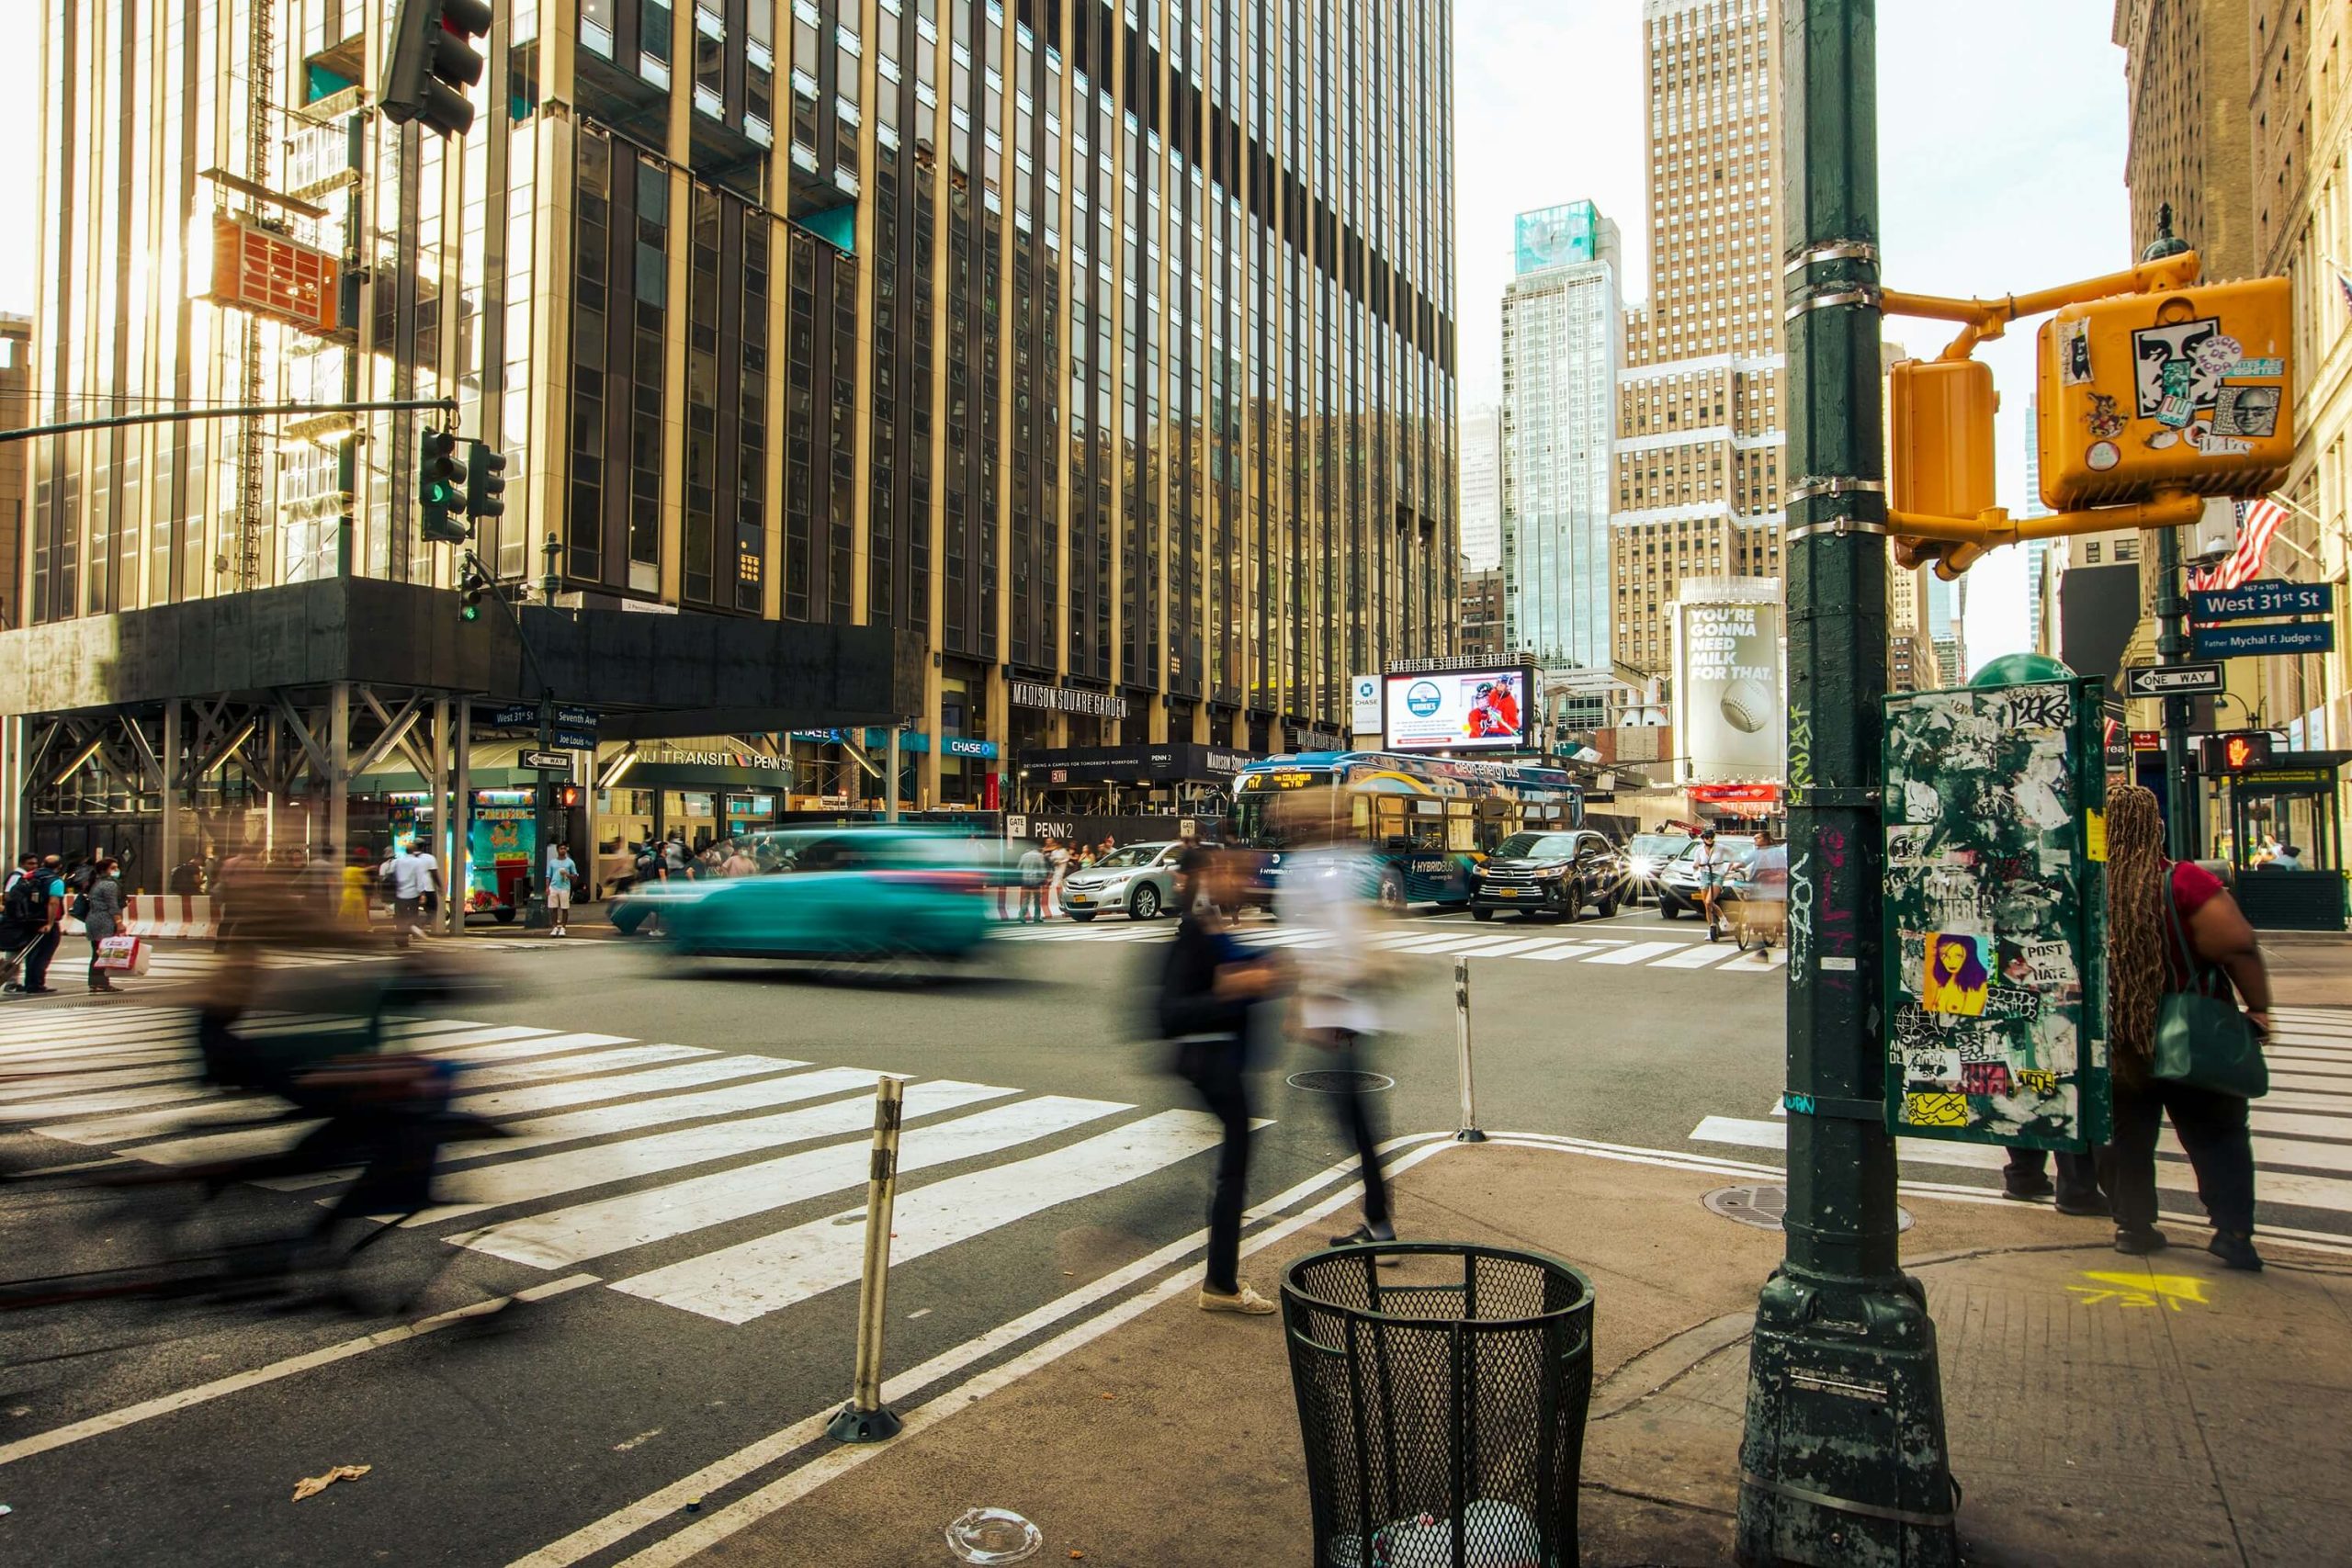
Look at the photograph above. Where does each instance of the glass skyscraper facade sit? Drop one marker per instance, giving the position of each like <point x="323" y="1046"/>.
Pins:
<point x="1562" y="346"/>
<point x="1107" y="348"/>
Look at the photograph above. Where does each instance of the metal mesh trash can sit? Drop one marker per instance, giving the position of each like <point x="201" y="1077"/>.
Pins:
<point x="1442" y="1403"/>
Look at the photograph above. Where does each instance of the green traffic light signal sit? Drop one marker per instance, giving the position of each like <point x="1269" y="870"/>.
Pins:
<point x="441" y="501"/>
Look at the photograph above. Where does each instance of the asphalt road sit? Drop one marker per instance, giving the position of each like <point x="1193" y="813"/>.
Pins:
<point x="685" y="1197"/>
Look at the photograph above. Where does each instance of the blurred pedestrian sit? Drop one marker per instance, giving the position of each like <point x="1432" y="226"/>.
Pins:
<point x="101" y="908"/>
<point x="46" y="903"/>
<point x="1210" y="986"/>
<point x="2289" y="857"/>
<point x="351" y="911"/>
<point x="1331" y="885"/>
<point x="1033" y="885"/>
<point x="2172" y="928"/>
<point x="24" y="920"/>
<point x="1708" y="862"/>
<point x="1058" y="864"/>
<point x="563" y="875"/>
<point x="416" y="876"/>
<point x="739" y="860"/>
<point x="186" y="880"/>
<point x="1109" y="847"/>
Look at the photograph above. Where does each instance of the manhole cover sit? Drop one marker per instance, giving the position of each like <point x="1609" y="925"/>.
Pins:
<point x="1340" y="1083"/>
<point x="1763" y="1205"/>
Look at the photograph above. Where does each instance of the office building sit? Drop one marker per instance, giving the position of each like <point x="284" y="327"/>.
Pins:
<point x="1562" y="347"/>
<point x="1699" y="420"/>
<point x="1946" y="640"/>
<point x="1481" y="495"/>
<point x="1483" y="637"/>
<point x="1061" y="376"/>
<point x="2187" y="77"/>
<point x="16" y="411"/>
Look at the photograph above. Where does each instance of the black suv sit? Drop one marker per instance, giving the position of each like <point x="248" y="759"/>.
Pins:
<point x="1550" y="874"/>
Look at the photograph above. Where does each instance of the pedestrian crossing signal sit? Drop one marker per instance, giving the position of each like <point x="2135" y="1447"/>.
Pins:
<point x="2236" y="752"/>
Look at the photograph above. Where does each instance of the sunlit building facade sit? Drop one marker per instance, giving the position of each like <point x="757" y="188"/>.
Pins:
<point x="1108" y="351"/>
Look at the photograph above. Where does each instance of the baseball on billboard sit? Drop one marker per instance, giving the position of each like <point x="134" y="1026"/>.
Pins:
<point x="1458" y="710"/>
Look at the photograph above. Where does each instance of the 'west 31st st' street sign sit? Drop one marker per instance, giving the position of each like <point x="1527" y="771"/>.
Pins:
<point x="2270" y="596"/>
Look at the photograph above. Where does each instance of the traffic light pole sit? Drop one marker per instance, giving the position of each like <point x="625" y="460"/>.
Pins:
<point x="1843" y="1459"/>
<point x="2184" y="791"/>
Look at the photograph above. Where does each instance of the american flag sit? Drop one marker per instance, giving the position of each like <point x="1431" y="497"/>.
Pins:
<point x="2257" y="521"/>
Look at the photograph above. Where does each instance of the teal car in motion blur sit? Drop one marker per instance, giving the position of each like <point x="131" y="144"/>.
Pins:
<point x="853" y="894"/>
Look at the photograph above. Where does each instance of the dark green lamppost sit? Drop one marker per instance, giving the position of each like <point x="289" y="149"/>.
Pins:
<point x="1843" y="1461"/>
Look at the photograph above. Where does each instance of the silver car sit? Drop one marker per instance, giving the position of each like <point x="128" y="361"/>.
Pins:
<point x="1138" y="878"/>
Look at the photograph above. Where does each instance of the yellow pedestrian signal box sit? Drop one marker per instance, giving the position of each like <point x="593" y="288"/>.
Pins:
<point x="2184" y="389"/>
<point x="1940" y="415"/>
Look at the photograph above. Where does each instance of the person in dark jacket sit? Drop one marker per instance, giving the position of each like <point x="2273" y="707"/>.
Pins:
<point x="104" y="917"/>
<point x="1209" y="990"/>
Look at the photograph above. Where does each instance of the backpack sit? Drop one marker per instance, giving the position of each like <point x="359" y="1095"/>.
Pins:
<point x="26" y="904"/>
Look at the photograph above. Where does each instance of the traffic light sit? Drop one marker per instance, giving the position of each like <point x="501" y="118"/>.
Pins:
<point x="567" y="795"/>
<point x="472" y="587"/>
<point x="438" y="479"/>
<point x="432" y="62"/>
<point x="1939" y="459"/>
<point x="2183" y="389"/>
<point x="485" y="479"/>
<point x="2235" y="751"/>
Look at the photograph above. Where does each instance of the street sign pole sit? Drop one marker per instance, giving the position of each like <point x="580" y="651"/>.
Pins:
<point x="2184" y="805"/>
<point x="543" y="798"/>
<point x="1843" y="1459"/>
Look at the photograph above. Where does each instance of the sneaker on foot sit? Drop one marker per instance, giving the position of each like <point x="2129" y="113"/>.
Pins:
<point x="2138" y="1241"/>
<point x="1244" y="1301"/>
<point x="2028" y="1189"/>
<point x="2236" y="1249"/>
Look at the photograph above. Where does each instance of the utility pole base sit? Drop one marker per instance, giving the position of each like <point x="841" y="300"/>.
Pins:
<point x="1469" y="1135"/>
<point x="856" y="1425"/>
<point x="1843" y="1461"/>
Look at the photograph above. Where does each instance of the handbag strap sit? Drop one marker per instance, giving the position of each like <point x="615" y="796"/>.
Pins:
<point x="2196" y="970"/>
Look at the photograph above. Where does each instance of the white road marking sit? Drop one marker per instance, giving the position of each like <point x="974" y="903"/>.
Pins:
<point x="1697" y="956"/>
<point x="636" y="1114"/>
<point x="1553" y="951"/>
<point x="753" y="1278"/>
<point x="146" y="1410"/>
<point x="1638" y="952"/>
<point x="563" y="1236"/>
<point x="546" y="1176"/>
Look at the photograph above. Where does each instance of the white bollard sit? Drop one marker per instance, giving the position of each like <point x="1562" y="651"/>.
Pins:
<point x="1469" y="1132"/>
<point x="864" y="1419"/>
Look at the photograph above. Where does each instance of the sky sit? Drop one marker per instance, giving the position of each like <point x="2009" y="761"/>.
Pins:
<point x="1998" y="171"/>
<point x="1996" y="174"/>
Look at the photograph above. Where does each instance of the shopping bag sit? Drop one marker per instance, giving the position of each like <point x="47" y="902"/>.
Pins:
<point x="121" y="954"/>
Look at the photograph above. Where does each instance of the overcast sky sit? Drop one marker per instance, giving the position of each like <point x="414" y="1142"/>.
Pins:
<point x="1998" y="174"/>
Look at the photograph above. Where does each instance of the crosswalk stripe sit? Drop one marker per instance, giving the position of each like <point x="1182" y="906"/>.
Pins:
<point x="545" y="1068"/>
<point x="2310" y="1062"/>
<point x="1443" y="941"/>
<point x="180" y="1066"/>
<point x="67" y="1070"/>
<point x="2294" y="1077"/>
<point x="102" y="1104"/>
<point x="484" y="1047"/>
<point x="1638" y="952"/>
<point x="754" y="1278"/>
<point x="638" y="1114"/>
<point x="1558" y="951"/>
<point x="2271" y="1186"/>
<point x="476" y="1188"/>
<point x="1512" y="947"/>
<point x="615" y="1080"/>
<point x="1697" y="955"/>
<point x="85" y="1043"/>
<point x="598" y="1228"/>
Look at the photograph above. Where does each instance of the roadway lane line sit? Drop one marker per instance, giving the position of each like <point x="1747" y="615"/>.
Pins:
<point x="481" y="1187"/>
<point x="737" y="1284"/>
<point x="1697" y="956"/>
<point x="2271" y="1186"/>
<point x="564" y="1236"/>
<point x="1639" y="952"/>
<point x="147" y="1410"/>
<point x="619" y="1525"/>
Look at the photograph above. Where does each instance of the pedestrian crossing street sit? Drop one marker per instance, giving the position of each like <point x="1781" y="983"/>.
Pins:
<point x="178" y="965"/>
<point x="628" y="1155"/>
<point x="1448" y="939"/>
<point x="2303" y="1128"/>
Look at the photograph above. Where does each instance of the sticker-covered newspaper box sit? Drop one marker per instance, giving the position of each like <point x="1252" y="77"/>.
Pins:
<point x="1994" y="944"/>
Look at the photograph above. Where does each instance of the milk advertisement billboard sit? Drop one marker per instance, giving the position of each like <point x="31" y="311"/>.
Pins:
<point x="1459" y="710"/>
<point x="1730" y="716"/>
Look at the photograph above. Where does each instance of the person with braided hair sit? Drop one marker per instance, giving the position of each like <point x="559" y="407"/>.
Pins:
<point x="2172" y="927"/>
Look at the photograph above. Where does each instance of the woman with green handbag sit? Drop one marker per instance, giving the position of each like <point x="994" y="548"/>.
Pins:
<point x="2178" y="945"/>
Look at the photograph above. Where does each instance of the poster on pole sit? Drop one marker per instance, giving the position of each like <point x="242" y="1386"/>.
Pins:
<point x="1994" y="941"/>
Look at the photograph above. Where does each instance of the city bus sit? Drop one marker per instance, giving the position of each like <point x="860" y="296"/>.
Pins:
<point x="1426" y="820"/>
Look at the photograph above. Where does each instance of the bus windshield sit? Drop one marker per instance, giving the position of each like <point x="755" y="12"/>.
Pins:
<point x="1252" y="826"/>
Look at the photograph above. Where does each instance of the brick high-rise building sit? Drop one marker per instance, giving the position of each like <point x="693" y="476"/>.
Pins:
<point x="1698" y="422"/>
<point x="16" y="408"/>
<point x="2187" y="79"/>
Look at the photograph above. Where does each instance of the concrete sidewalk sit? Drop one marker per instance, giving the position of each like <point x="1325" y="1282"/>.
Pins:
<point x="2101" y="1409"/>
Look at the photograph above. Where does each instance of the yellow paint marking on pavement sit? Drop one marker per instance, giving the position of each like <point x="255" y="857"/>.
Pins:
<point x="2167" y="1291"/>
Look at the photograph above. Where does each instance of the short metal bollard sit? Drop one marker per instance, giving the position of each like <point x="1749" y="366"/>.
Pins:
<point x="1469" y="1132"/>
<point x="864" y="1419"/>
